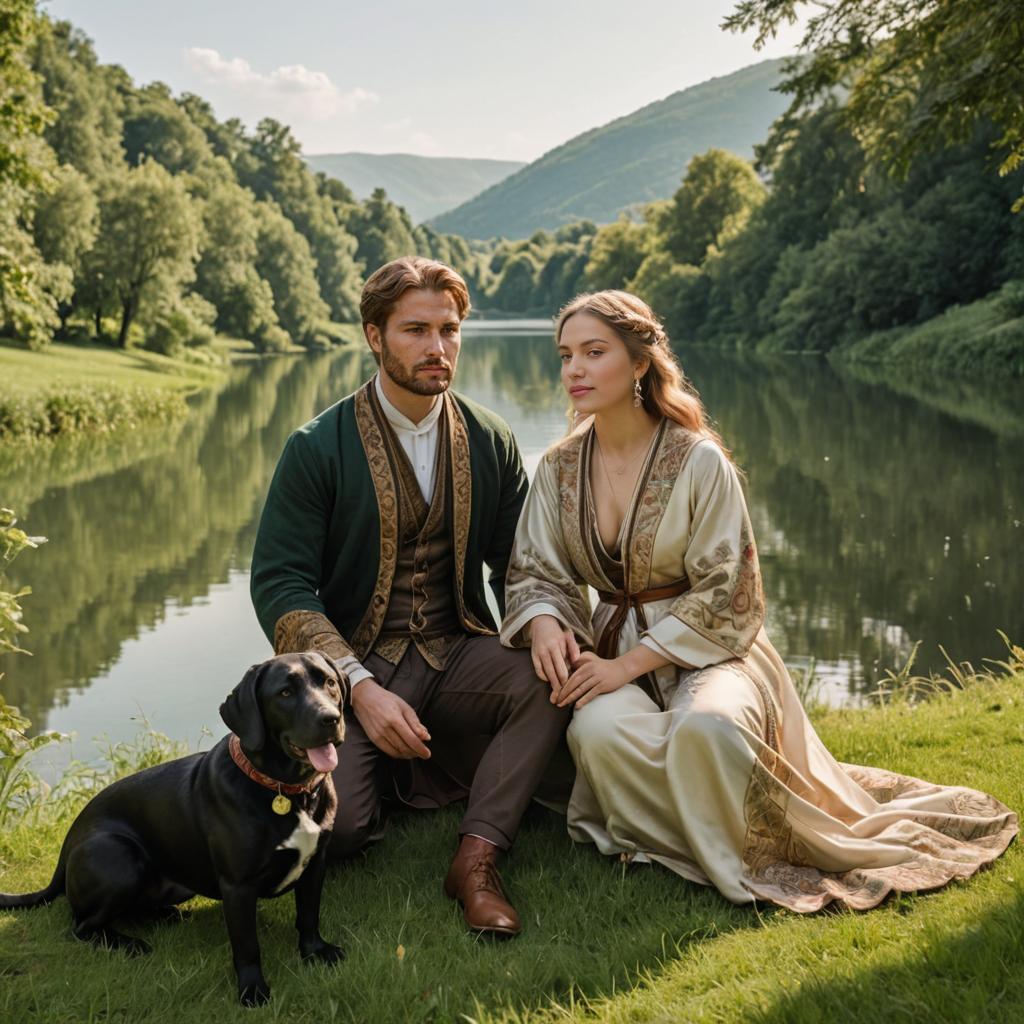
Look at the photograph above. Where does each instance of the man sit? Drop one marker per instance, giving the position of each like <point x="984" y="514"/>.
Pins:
<point x="379" y="518"/>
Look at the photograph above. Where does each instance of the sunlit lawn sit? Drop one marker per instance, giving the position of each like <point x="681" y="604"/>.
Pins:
<point x="600" y="942"/>
<point x="61" y="366"/>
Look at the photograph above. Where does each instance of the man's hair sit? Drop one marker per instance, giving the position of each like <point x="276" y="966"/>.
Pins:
<point x="386" y="285"/>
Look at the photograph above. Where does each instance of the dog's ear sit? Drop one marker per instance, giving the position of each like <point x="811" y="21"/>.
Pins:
<point x="241" y="709"/>
<point x="332" y="671"/>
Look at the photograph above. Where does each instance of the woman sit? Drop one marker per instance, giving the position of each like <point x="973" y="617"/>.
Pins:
<point x="692" y="748"/>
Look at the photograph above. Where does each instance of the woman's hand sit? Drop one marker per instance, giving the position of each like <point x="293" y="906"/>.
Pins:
<point x="592" y="677"/>
<point x="554" y="651"/>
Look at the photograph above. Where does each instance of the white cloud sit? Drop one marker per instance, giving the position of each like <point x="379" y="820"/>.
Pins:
<point x="289" y="89"/>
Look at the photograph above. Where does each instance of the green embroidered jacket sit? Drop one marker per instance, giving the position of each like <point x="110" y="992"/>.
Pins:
<point x="327" y="539"/>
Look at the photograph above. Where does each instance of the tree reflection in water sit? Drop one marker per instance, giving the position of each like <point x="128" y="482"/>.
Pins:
<point x="882" y="518"/>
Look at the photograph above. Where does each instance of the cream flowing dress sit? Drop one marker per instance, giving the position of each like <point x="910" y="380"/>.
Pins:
<point x="710" y="765"/>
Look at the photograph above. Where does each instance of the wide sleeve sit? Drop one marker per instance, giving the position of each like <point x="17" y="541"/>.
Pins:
<point x="541" y="578"/>
<point x="288" y="554"/>
<point x="722" y="612"/>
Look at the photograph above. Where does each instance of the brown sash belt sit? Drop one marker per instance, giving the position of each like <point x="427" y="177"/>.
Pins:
<point x="608" y="645"/>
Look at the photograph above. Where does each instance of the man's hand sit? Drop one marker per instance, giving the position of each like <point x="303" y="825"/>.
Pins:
<point x="554" y="650"/>
<point x="389" y="722"/>
<point x="592" y="677"/>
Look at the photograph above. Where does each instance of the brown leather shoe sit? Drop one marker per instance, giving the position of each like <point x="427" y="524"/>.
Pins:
<point x="473" y="880"/>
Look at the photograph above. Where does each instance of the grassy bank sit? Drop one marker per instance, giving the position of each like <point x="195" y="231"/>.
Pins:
<point x="984" y="339"/>
<point x="92" y="389"/>
<point x="601" y="943"/>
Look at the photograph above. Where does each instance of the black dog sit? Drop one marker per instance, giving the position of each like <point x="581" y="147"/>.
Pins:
<point x="250" y="818"/>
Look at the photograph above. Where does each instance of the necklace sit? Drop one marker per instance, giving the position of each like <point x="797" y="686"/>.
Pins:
<point x="618" y="472"/>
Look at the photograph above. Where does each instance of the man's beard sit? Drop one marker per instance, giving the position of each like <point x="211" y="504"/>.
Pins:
<point x="408" y="380"/>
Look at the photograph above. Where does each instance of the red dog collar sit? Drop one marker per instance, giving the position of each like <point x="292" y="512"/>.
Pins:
<point x="291" y="788"/>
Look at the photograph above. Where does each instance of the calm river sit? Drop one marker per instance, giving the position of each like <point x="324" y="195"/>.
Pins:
<point x="884" y="518"/>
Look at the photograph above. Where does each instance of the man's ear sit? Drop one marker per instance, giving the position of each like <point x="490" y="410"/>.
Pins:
<point x="241" y="709"/>
<point x="372" y="333"/>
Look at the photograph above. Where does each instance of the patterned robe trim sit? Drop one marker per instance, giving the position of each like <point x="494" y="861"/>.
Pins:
<point x="949" y="844"/>
<point x="725" y="603"/>
<point x="462" y="506"/>
<point x="300" y="631"/>
<point x="667" y="458"/>
<point x="532" y="578"/>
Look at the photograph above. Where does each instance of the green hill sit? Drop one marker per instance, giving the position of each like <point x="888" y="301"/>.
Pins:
<point x="424" y="185"/>
<point x="633" y="159"/>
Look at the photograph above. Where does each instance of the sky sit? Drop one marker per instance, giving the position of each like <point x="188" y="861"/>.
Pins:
<point x="461" y="78"/>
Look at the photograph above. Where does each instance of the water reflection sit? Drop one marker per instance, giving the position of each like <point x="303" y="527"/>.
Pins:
<point x="882" y="520"/>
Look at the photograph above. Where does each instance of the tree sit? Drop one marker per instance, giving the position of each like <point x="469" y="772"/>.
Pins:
<point x="719" y="192"/>
<point x="274" y="169"/>
<point x="148" y="241"/>
<point x="157" y="128"/>
<point x="920" y="74"/>
<point x="515" y="288"/>
<point x="677" y="292"/>
<point x="65" y="225"/>
<point x="383" y="230"/>
<point x="287" y="265"/>
<point x="87" y="100"/>
<point x="616" y="253"/>
<point x="226" y="274"/>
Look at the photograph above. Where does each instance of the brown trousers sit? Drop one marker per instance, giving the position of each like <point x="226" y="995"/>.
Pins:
<point x="493" y="731"/>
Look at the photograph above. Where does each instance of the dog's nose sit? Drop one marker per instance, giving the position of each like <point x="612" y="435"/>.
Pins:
<point x="330" y="718"/>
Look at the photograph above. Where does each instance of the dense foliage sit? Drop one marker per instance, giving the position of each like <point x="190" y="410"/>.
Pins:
<point x="919" y="74"/>
<point x="130" y="214"/>
<point x="822" y="249"/>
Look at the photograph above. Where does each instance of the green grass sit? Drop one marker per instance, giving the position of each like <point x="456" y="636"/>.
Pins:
<point x="983" y="338"/>
<point x="85" y="389"/>
<point x="601" y="943"/>
<point x="60" y="366"/>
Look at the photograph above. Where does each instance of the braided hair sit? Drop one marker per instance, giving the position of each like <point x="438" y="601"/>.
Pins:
<point x="665" y="388"/>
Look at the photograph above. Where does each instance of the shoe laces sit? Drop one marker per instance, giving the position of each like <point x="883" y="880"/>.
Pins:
<point x="483" y="875"/>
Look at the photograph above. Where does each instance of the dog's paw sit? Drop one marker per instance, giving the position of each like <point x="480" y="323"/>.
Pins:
<point x="323" y="953"/>
<point x="257" y="994"/>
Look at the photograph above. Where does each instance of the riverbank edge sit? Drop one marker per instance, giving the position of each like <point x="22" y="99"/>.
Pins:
<point x="942" y="953"/>
<point x="88" y="389"/>
<point x="982" y="340"/>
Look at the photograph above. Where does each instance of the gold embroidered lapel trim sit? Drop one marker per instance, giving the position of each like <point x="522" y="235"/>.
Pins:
<point x="462" y="506"/>
<point x="368" y="421"/>
<point x="671" y="448"/>
<point x="583" y="528"/>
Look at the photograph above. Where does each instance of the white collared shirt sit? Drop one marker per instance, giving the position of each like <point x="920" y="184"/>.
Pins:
<point x="419" y="442"/>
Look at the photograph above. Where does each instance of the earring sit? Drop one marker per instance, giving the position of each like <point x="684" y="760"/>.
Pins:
<point x="638" y="395"/>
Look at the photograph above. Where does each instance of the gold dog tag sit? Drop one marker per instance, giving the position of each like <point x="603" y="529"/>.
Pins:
<point x="281" y="804"/>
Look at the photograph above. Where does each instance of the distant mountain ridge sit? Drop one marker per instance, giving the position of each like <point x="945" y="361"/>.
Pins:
<point x="633" y="159"/>
<point x="424" y="185"/>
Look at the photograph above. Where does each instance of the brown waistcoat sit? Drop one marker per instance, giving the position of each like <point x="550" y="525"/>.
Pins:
<point x="421" y="607"/>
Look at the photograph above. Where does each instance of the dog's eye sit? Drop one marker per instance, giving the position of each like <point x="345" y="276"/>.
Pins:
<point x="286" y="692"/>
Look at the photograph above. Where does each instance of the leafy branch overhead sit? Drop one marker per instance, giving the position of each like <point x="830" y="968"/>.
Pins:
<point x="919" y="74"/>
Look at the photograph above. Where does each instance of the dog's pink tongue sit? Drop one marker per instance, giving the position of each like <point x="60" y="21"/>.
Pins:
<point x="323" y="759"/>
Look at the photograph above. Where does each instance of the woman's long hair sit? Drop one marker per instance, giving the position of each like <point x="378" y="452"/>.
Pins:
<point x="666" y="391"/>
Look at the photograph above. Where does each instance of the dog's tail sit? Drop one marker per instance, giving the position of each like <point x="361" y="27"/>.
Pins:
<point x="9" y="901"/>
